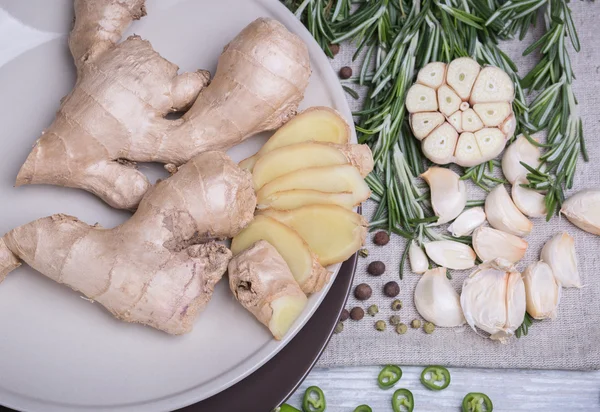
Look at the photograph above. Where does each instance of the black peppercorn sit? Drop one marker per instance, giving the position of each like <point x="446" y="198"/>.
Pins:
<point x="335" y="49"/>
<point x="376" y="268"/>
<point x="363" y="291"/>
<point x="344" y="315"/>
<point x="391" y="289"/>
<point x="345" y="72"/>
<point x="381" y="238"/>
<point x="357" y="313"/>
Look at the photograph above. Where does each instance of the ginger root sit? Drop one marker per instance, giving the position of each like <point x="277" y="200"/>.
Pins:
<point x="262" y="282"/>
<point x="115" y="115"/>
<point x="152" y="269"/>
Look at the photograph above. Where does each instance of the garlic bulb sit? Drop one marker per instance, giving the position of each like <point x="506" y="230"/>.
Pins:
<point x="437" y="301"/>
<point x="542" y="291"/>
<point x="468" y="221"/>
<point x="559" y="253"/>
<point x="528" y="201"/>
<point x="450" y="254"/>
<point x="462" y="113"/>
<point x="520" y="151"/>
<point x="503" y="214"/>
<point x="490" y="244"/>
<point x="448" y="193"/>
<point x="583" y="210"/>
<point x="417" y="258"/>
<point x="493" y="299"/>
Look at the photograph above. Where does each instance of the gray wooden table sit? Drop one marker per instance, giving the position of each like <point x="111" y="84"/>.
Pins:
<point x="510" y="390"/>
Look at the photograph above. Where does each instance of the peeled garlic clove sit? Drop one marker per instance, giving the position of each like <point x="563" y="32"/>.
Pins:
<point x="448" y="193"/>
<point x="437" y="301"/>
<point x="492" y="85"/>
<point x="559" y="253"/>
<point x="421" y="99"/>
<point x="541" y="290"/>
<point x="490" y="244"/>
<point x="503" y="214"/>
<point x="492" y="114"/>
<point x="493" y="299"/>
<point x="461" y="75"/>
<point x="470" y="121"/>
<point x="450" y="254"/>
<point x="528" y="201"/>
<point x="448" y="101"/>
<point x="417" y="258"/>
<point x="425" y="122"/>
<point x="467" y="152"/>
<point x="439" y="145"/>
<point x="520" y="151"/>
<point x="583" y="210"/>
<point x="432" y="75"/>
<point x="468" y="221"/>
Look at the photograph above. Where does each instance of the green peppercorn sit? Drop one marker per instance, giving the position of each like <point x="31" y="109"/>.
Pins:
<point x="339" y="328"/>
<point x="428" y="327"/>
<point x="380" y="325"/>
<point x="394" y="320"/>
<point x="401" y="328"/>
<point x="363" y="253"/>
<point x="373" y="310"/>
<point x="415" y="324"/>
<point x="396" y="304"/>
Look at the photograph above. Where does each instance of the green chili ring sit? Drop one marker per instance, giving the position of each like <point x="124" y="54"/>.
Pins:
<point x="403" y="397"/>
<point x="388" y="376"/>
<point x="473" y="401"/>
<point x="437" y="374"/>
<point x="287" y="408"/>
<point x="363" y="408"/>
<point x="313" y="404"/>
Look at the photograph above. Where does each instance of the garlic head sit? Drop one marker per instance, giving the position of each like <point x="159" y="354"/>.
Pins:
<point x="448" y="193"/>
<point x="559" y="253"/>
<point x="520" y="151"/>
<point x="417" y="258"/>
<point x="504" y="215"/>
<point x="437" y="301"/>
<point x="490" y="244"/>
<point x="541" y="290"/>
<point x="451" y="254"/>
<point x="583" y="210"/>
<point x="467" y="221"/>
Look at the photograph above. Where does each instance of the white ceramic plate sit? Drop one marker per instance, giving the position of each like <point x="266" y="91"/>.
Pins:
<point x="59" y="352"/>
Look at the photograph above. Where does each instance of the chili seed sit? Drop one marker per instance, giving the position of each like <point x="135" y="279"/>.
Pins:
<point x="357" y="313"/>
<point x="376" y="268"/>
<point x="339" y="328"/>
<point x="344" y="315"/>
<point x="335" y="49"/>
<point x="345" y="72"/>
<point x="415" y="324"/>
<point x="391" y="289"/>
<point x="381" y="238"/>
<point x="394" y="320"/>
<point x="373" y="310"/>
<point x="401" y="328"/>
<point x="397" y="304"/>
<point x="428" y="327"/>
<point x="380" y="325"/>
<point x="363" y="291"/>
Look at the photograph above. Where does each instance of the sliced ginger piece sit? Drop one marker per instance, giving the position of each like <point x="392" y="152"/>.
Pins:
<point x="303" y="263"/>
<point x="261" y="281"/>
<point x="293" y="199"/>
<point x="332" y="232"/>
<point x="330" y="179"/>
<point x="318" y="124"/>
<point x="290" y="158"/>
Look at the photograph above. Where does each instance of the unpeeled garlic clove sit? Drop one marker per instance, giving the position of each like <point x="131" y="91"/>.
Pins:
<point x="559" y="253"/>
<point x="583" y="210"/>
<point x="450" y="254"/>
<point x="437" y="301"/>
<point x="542" y="291"/>
<point x="468" y="221"/>
<point x="490" y="244"/>
<point x="520" y="151"/>
<point x="417" y="258"/>
<point x="503" y="214"/>
<point x="493" y="299"/>
<point x="528" y="201"/>
<point x="448" y="193"/>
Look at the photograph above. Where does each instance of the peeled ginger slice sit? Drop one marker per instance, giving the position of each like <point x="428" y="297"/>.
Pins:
<point x="332" y="232"/>
<point x="303" y="263"/>
<point x="318" y="124"/>
<point x="292" y="199"/>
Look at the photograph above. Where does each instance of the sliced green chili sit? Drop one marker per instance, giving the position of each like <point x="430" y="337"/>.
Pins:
<point x="403" y="401"/>
<point x="435" y="378"/>
<point x="314" y="400"/>
<point x="287" y="408"/>
<point x="363" y="408"/>
<point x="388" y="376"/>
<point x="477" y="402"/>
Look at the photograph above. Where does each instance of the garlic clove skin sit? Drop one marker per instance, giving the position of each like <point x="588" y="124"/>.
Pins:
<point x="542" y="291"/>
<point x="417" y="258"/>
<point x="520" y="151"/>
<point x="583" y="210"/>
<point x="490" y="244"/>
<point x="467" y="222"/>
<point x="437" y="301"/>
<point x="528" y="201"/>
<point x="493" y="299"/>
<point x="559" y="253"/>
<point x="448" y="193"/>
<point x="503" y="214"/>
<point x="450" y="254"/>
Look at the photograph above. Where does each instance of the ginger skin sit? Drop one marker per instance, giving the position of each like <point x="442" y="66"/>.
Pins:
<point x="153" y="268"/>
<point x="115" y="115"/>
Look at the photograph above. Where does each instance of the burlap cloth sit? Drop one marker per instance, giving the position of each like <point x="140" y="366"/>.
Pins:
<point x="572" y="341"/>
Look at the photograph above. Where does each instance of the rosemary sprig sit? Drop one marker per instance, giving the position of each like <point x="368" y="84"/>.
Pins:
<point x="523" y="330"/>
